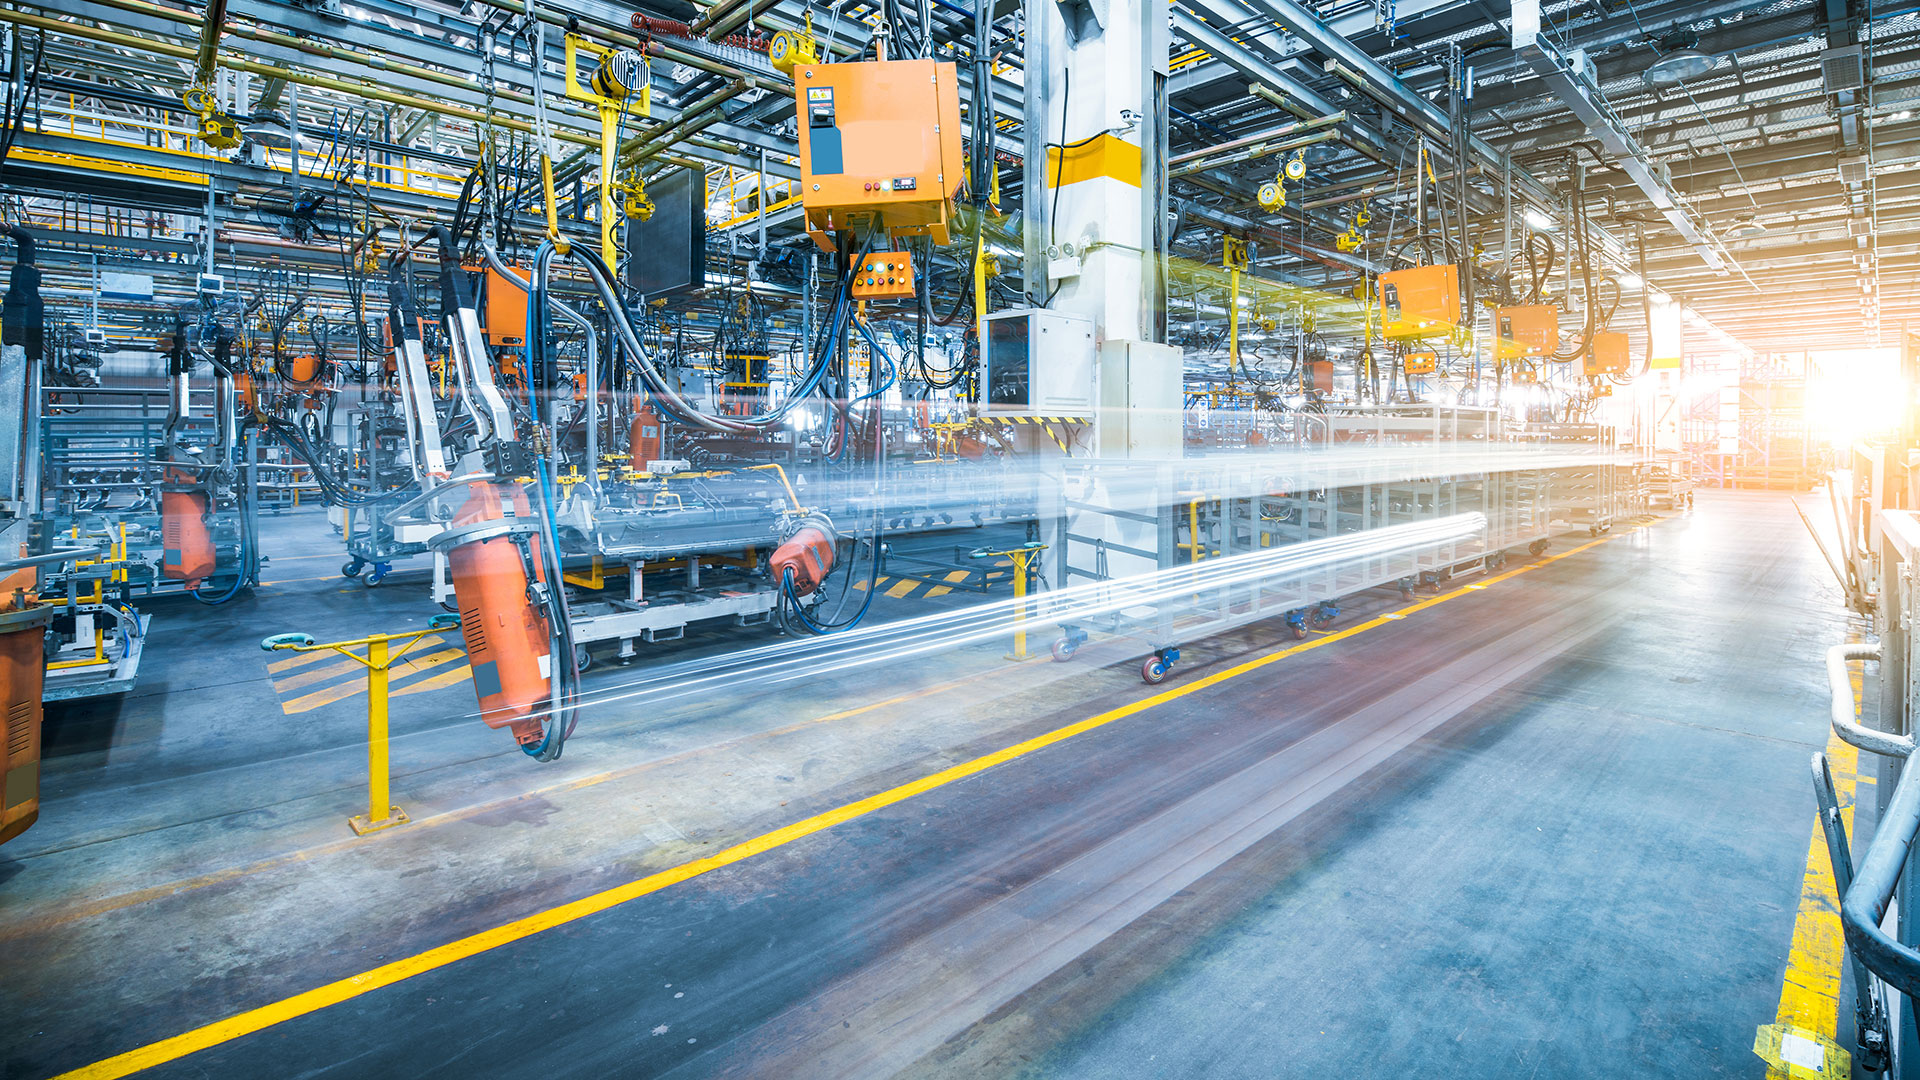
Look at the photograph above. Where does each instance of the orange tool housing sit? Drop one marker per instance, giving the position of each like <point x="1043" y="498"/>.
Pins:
<point x="506" y="632"/>
<point x="186" y="545"/>
<point x="1608" y="355"/>
<point x="879" y="146"/>
<point x="885" y="275"/>
<point x="643" y="437"/>
<point x="23" y="669"/>
<point x="1419" y="301"/>
<point x="1320" y="376"/>
<point x="1527" y="330"/>
<point x="808" y="553"/>
<point x="506" y="311"/>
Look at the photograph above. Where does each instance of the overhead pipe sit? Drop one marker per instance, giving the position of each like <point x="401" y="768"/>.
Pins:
<point x="1281" y="132"/>
<point x="1254" y="153"/>
<point x="325" y="82"/>
<point x="210" y="29"/>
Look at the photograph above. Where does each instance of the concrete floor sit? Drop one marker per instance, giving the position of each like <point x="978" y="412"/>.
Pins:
<point x="1551" y="827"/>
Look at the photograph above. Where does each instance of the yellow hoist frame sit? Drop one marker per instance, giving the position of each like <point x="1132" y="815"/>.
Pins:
<point x="613" y="92"/>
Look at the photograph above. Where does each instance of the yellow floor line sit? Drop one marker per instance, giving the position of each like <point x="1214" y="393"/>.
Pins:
<point x="321" y="997"/>
<point x="903" y="587"/>
<point x="861" y="584"/>
<point x="413" y="665"/>
<point x="340" y="666"/>
<point x="292" y="580"/>
<point x="434" y="682"/>
<point x="341" y="691"/>
<point x="1809" y="1009"/>
<point x="326" y="695"/>
<point x="942" y="590"/>
<point x="298" y="660"/>
<point x="79" y="912"/>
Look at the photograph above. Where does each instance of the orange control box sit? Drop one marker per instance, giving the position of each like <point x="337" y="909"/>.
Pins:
<point x="1420" y="362"/>
<point x="1419" y="301"/>
<point x="879" y="146"/>
<point x="884" y="275"/>
<point x="1608" y="355"/>
<point x="1527" y="330"/>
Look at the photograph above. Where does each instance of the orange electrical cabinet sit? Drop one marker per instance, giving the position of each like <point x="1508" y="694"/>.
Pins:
<point x="1527" y="330"/>
<point x="879" y="146"/>
<point x="1608" y="355"/>
<point x="506" y="312"/>
<point x="1419" y="301"/>
<point x="884" y="275"/>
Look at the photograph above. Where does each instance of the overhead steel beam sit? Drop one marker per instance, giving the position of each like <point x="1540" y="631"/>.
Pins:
<point x="1575" y="93"/>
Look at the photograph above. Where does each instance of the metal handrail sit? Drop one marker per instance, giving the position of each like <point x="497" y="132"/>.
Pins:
<point x="1840" y="687"/>
<point x="1864" y="906"/>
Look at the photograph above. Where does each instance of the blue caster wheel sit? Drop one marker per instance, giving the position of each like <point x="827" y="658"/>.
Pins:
<point x="376" y="575"/>
<point x="352" y="568"/>
<point x="1155" y="670"/>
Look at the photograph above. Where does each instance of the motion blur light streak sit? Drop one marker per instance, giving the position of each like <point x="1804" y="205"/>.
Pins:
<point x="1171" y="593"/>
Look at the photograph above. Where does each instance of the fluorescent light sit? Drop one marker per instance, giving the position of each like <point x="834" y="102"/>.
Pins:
<point x="1538" y="220"/>
<point x="1629" y="280"/>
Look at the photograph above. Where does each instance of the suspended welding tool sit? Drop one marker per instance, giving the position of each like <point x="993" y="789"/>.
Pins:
<point x="791" y="48"/>
<point x="1234" y="256"/>
<point x="1296" y="167"/>
<point x="1351" y="240"/>
<point x="619" y="88"/>
<point x="217" y="129"/>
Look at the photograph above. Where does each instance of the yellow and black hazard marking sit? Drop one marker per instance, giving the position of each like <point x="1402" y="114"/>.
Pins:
<point x="306" y="681"/>
<point x="902" y="587"/>
<point x="1046" y="424"/>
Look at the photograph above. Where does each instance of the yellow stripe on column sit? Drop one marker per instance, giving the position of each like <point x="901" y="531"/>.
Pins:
<point x="1104" y="155"/>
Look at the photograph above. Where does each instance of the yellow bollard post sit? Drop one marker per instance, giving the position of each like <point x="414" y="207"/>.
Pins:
<point x="1022" y="558"/>
<point x="381" y="813"/>
<point x="379" y="661"/>
<point x="1020" y="604"/>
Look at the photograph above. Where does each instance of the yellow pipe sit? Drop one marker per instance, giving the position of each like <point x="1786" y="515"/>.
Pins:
<point x="791" y="495"/>
<point x="1233" y="325"/>
<point x="325" y="82"/>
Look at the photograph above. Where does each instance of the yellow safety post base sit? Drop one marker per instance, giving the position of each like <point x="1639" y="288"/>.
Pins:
<point x="361" y="826"/>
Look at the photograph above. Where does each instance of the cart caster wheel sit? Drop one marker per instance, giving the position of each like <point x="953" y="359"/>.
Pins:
<point x="1299" y="631"/>
<point x="1607" y="528"/>
<point x="1593" y="530"/>
<point x="1406" y="594"/>
<point x="1538" y="547"/>
<point x="582" y="658"/>
<point x="374" y="578"/>
<point x="352" y="568"/>
<point x="1063" y="650"/>
<point x="1155" y="670"/>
